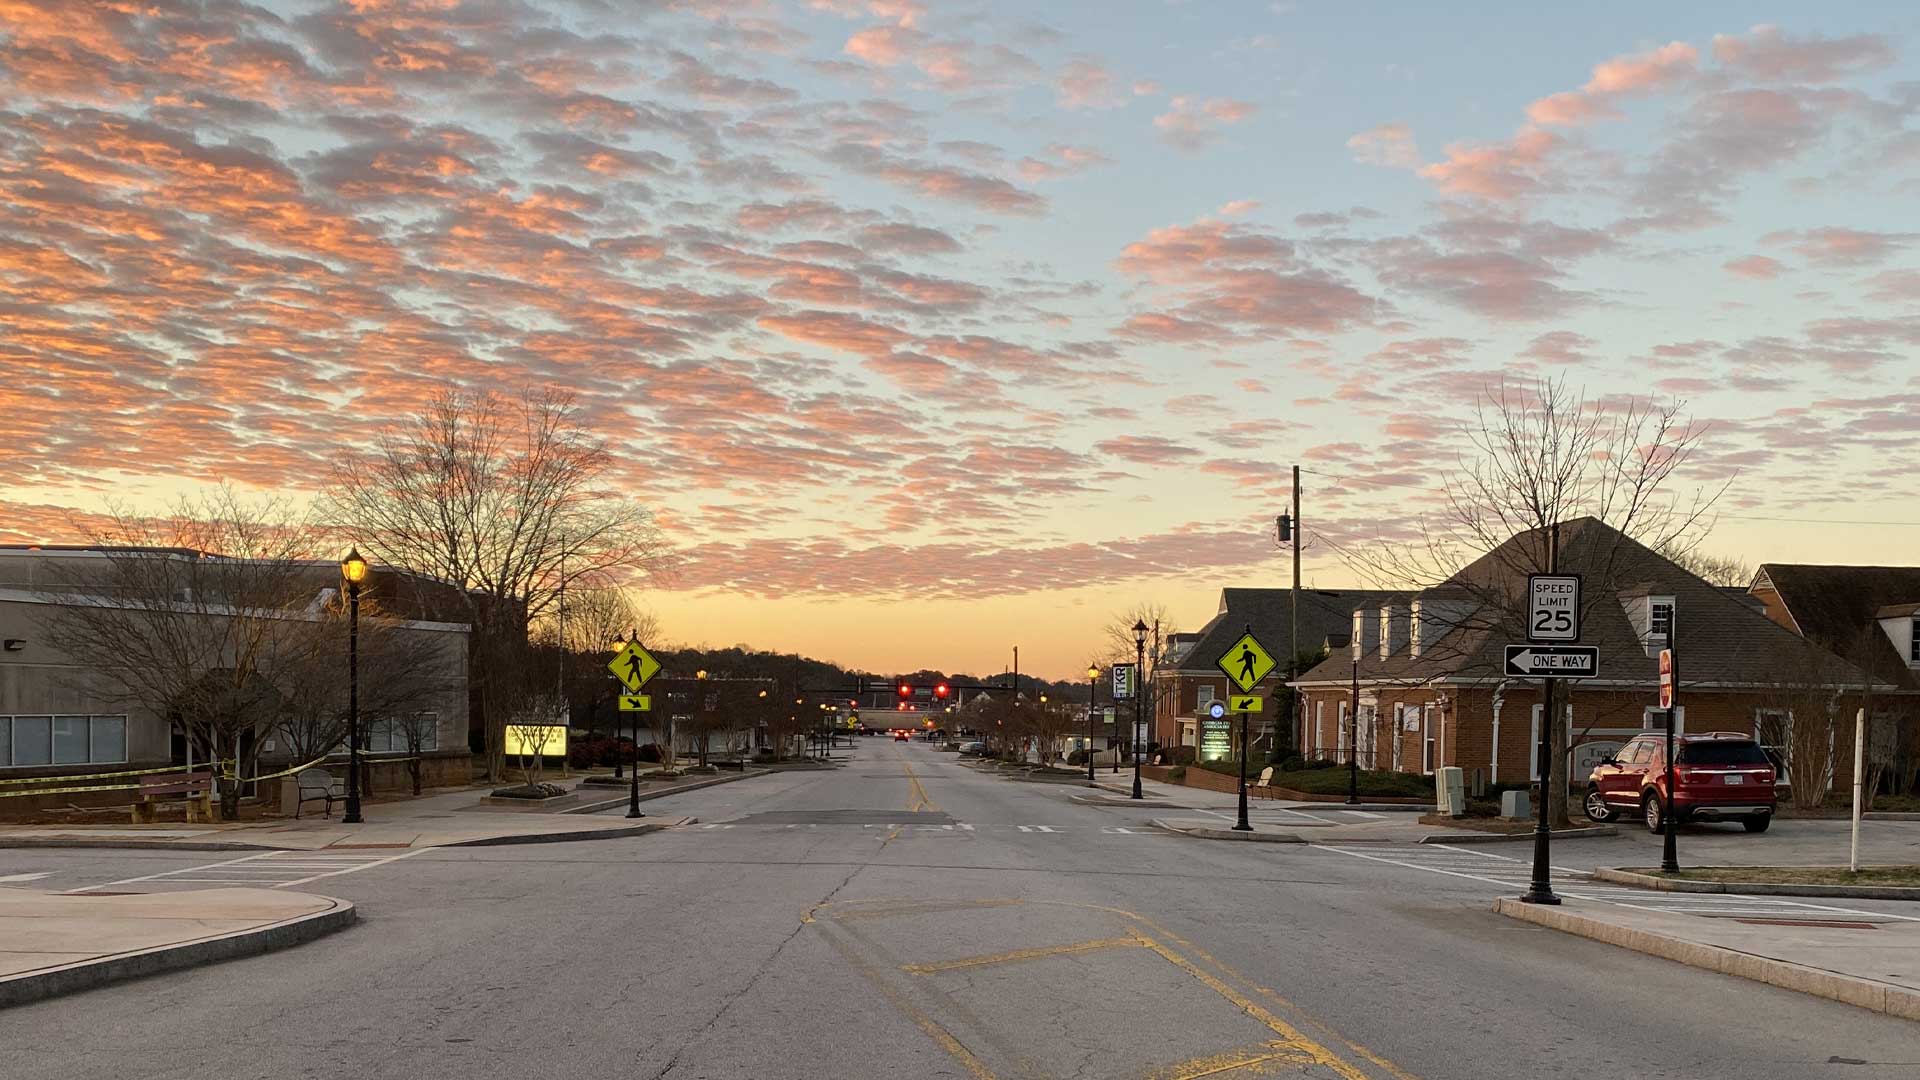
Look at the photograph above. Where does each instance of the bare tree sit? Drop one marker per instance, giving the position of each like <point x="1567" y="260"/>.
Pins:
<point x="189" y="613"/>
<point x="1540" y="456"/>
<point x="1116" y="635"/>
<point x="512" y="500"/>
<point x="1725" y="571"/>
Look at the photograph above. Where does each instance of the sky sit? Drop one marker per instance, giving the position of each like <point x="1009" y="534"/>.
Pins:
<point x="928" y="330"/>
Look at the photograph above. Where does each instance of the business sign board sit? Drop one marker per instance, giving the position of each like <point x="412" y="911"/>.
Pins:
<point x="1216" y="739"/>
<point x="531" y="740"/>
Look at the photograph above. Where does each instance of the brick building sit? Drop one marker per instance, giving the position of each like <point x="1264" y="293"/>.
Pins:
<point x="1426" y="670"/>
<point x="1187" y="679"/>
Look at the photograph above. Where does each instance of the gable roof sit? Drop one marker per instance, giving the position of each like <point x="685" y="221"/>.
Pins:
<point x="1836" y="606"/>
<point x="1721" y="641"/>
<point x="1324" y="614"/>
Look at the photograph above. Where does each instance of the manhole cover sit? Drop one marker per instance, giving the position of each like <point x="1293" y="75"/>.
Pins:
<point x="845" y="817"/>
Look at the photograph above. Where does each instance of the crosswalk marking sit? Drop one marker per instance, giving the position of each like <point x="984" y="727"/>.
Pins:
<point x="1514" y="874"/>
<point x="269" y="869"/>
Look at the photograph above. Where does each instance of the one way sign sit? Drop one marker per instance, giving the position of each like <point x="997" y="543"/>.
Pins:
<point x="1553" y="661"/>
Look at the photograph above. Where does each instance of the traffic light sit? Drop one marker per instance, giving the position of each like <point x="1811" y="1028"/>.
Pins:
<point x="941" y="691"/>
<point x="905" y="690"/>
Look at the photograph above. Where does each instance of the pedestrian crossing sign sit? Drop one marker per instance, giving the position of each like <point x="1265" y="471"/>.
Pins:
<point x="1246" y="663"/>
<point x="634" y="666"/>
<point x="636" y="702"/>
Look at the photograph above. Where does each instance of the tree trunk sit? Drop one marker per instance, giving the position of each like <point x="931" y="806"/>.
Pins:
<point x="413" y="773"/>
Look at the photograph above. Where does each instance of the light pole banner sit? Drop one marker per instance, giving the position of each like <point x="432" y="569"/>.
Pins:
<point x="1123" y="682"/>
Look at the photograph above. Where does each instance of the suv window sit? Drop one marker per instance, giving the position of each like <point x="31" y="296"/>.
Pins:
<point x="1636" y="753"/>
<point x="1731" y="752"/>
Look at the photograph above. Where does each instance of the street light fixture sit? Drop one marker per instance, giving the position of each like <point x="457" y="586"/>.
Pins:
<point x="1093" y="691"/>
<point x="354" y="569"/>
<point x="1139" y="669"/>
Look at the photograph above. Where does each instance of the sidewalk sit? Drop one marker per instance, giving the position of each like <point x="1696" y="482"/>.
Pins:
<point x="57" y="943"/>
<point x="1875" y="965"/>
<point x="451" y="819"/>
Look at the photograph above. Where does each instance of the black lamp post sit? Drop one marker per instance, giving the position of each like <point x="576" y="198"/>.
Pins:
<point x="1139" y="714"/>
<point x="354" y="569"/>
<point x="1093" y="691"/>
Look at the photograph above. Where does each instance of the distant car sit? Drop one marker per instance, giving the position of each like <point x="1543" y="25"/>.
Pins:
<point x="899" y="736"/>
<point x="973" y="748"/>
<point x="1717" y="776"/>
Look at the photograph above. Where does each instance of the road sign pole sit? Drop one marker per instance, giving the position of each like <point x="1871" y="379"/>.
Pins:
<point x="1140" y="664"/>
<point x="633" y="771"/>
<point x="1540" y="889"/>
<point x="1242" y="825"/>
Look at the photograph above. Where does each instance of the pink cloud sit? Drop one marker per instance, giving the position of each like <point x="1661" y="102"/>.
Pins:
<point x="1194" y="123"/>
<point x="1769" y="55"/>
<point x="1754" y="268"/>
<point x="1836" y="246"/>
<point x="1391" y="145"/>
<point x="1085" y="83"/>
<point x="1497" y="171"/>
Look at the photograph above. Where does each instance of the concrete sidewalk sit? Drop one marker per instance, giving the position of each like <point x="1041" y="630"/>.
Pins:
<point x="57" y="943"/>
<point x="1396" y="829"/>
<point x="1872" y="964"/>
<point x="451" y="819"/>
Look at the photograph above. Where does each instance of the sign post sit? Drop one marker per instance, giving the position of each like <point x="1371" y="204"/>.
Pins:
<point x="1551" y="653"/>
<point x="1669" y="675"/>
<point x="1246" y="662"/>
<point x="635" y="667"/>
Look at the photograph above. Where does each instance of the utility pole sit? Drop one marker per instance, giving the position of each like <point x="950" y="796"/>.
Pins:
<point x="1293" y="627"/>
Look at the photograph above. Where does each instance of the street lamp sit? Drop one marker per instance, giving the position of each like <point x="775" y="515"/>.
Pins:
<point x="1139" y="668"/>
<point x="619" y="646"/>
<point x="1093" y="691"/>
<point x="354" y="569"/>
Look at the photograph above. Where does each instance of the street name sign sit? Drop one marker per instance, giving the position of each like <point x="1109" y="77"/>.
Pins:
<point x="1246" y="663"/>
<point x="634" y="666"/>
<point x="636" y="702"/>
<point x="1246" y="703"/>
<point x="1553" y="608"/>
<point x="1122" y="682"/>
<point x="1553" y="661"/>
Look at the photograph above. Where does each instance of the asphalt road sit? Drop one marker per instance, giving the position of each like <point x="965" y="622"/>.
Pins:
<point x="904" y="916"/>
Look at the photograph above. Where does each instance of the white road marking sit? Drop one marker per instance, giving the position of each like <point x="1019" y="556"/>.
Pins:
<point x="967" y="827"/>
<point x="1364" y="814"/>
<point x="27" y="877"/>
<point x="1044" y="828"/>
<point x="262" y="869"/>
<point x="1024" y="828"/>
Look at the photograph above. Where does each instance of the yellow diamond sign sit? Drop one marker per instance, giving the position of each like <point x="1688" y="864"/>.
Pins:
<point x="634" y="666"/>
<point x="1246" y="663"/>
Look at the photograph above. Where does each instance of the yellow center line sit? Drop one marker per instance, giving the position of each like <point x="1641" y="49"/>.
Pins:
<point x="940" y="1035"/>
<point x="918" y="800"/>
<point x="1231" y="1061"/>
<point x="1023" y="954"/>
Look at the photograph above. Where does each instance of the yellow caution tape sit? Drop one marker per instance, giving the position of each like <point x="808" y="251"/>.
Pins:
<point x="70" y="790"/>
<point x="95" y="776"/>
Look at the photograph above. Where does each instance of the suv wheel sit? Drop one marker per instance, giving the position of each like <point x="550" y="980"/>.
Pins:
<point x="1650" y="807"/>
<point x="1758" y="822"/>
<point x="1597" y="808"/>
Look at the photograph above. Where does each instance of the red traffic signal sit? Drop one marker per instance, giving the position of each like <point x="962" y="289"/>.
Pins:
<point x="941" y="690"/>
<point x="905" y="689"/>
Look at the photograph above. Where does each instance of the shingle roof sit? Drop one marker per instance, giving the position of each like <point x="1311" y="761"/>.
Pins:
<point x="1837" y="605"/>
<point x="1324" y="613"/>
<point x="1718" y="639"/>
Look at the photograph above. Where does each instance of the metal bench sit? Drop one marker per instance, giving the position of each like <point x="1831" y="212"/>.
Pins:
<point x="317" y="785"/>
<point x="154" y="786"/>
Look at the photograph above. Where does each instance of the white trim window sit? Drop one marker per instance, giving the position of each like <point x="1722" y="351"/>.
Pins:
<point x="1429" y="744"/>
<point x="1341" y="753"/>
<point x="1202" y="697"/>
<point x="1652" y="719"/>
<point x="65" y="739"/>
<point x="1319" y="729"/>
<point x="1773" y="730"/>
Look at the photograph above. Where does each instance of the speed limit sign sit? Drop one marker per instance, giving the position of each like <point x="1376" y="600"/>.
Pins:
<point x="1553" y="608"/>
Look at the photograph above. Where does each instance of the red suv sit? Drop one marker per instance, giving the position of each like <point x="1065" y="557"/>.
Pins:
<point x="1718" y="776"/>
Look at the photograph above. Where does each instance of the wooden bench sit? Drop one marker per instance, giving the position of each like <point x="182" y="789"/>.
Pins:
<point x="155" y="786"/>
<point x="317" y="785"/>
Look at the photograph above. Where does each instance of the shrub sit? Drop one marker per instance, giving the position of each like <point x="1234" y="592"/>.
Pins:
<point x="1293" y="763"/>
<point x="1177" y="774"/>
<point x="650" y="753"/>
<point x="1180" y="755"/>
<point x="1077" y="757"/>
<point x="599" y="750"/>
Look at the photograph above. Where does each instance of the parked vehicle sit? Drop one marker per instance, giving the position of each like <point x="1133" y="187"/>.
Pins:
<point x="1717" y="776"/>
<point x="975" y="748"/>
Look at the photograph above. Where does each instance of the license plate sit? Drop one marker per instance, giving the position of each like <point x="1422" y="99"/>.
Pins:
<point x="1736" y="779"/>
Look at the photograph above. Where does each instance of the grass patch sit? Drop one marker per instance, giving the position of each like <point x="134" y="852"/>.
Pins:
<point x="1333" y="781"/>
<point x="1799" y="875"/>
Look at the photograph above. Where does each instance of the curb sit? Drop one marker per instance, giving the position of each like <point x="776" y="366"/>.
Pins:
<point x="1508" y="838"/>
<point x="134" y="844"/>
<point x="645" y="795"/>
<point x="1890" y="815"/>
<point x="1865" y="993"/>
<point x="1109" y="800"/>
<point x="641" y="829"/>
<point x="1756" y="888"/>
<point x="36" y="986"/>
<point x="1205" y="833"/>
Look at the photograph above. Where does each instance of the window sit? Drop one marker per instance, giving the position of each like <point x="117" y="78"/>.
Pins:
<point x="1202" y="697"/>
<point x="1660" y="618"/>
<point x="1913" y="641"/>
<point x="1533" y="741"/>
<point x="1340" y="735"/>
<point x="1730" y="752"/>
<point x="1319" y="729"/>
<point x="62" y="740"/>
<point x="387" y="735"/>
<point x="1773" y="730"/>
<point x="1652" y="719"/>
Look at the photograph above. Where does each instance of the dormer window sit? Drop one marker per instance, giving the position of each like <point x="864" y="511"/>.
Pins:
<point x="1913" y="643"/>
<point x="1660" y="620"/>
